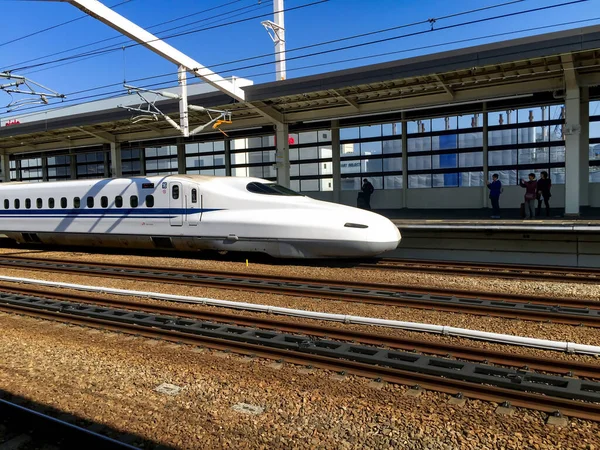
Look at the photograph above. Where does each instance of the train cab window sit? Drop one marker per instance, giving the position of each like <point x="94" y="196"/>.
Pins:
<point x="6" y="203"/>
<point x="175" y="192"/>
<point x="270" y="189"/>
<point x="133" y="201"/>
<point x="17" y="203"/>
<point x="76" y="202"/>
<point x="194" y="195"/>
<point x="39" y="203"/>
<point x="119" y="201"/>
<point x="63" y="202"/>
<point x="104" y="202"/>
<point x="90" y="202"/>
<point x="51" y="203"/>
<point x="149" y="201"/>
<point x="28" y="203"/>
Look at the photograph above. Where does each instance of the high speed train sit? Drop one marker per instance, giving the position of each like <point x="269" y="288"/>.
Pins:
<point x="191" y="212"/>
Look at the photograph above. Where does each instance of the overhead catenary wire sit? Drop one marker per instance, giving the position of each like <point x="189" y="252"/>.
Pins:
<point x="356" y="36"/>
<point x="149" y="28"/>
<point x="113" y="49"/>
<point x="329" y="63"/>
<point x="58" y="25"/>
<point x="169" y="83"/>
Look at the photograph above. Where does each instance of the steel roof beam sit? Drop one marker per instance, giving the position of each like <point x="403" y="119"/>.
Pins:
<point x="114" y="20"/>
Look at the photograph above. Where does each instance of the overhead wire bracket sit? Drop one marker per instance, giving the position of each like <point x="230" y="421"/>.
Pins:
<point x="148" y="110"/>
<point x="21" y="85"/>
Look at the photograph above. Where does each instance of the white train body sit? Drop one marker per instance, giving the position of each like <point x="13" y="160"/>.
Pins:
<point x="191" y="212"/>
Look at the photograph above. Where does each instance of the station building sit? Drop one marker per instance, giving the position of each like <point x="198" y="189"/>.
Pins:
<point x="427" y="131"/>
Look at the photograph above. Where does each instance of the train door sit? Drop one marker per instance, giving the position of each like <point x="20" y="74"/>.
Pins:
<point x="176" y="204"/>
<point x="193" y="205"/>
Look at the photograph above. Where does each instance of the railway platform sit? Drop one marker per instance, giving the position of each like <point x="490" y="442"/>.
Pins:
<point x="468" y="235"/>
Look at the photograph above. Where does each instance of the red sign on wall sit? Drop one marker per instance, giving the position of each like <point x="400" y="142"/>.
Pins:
<point x="12" y="122"/>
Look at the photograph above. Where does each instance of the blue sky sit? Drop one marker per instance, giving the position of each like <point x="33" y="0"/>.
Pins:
<point x="332" y="19"/>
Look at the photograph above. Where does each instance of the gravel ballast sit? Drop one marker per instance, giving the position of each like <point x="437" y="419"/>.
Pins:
<point x="111" y="379"/>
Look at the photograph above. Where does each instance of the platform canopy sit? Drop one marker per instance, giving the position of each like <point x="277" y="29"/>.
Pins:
<point x="493" y="73"/>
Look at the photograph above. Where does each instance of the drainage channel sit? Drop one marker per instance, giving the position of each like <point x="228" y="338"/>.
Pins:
<point x="506" y="378"/>
<point x="562" y="312"/>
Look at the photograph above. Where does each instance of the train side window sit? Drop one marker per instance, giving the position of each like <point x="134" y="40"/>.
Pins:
<point x="149" y="201"/>
<point x="194" y="195"/>
<point x="175" y="192"/>
<point x="133" y="201"/>
<point x="119" y="201"/>
<point x="17" y="203"/>
<point x="6" y="203"/>
<point x="28" y="203"/>
<point x="76" y="202"/>
<point x="104" y="202"/>
<point x="39" y="203"/>
<point x="63" y="202"/>
<point x="90" y="202"/>
<point x="51" y="203"/>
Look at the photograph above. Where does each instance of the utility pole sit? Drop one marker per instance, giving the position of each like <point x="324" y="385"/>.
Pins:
<point x="276" y="30"/>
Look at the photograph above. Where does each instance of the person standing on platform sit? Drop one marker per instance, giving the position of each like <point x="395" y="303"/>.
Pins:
<point x="367" y="189"/>
<point x="495" y="187"/>
<point x="530" y="195"/>
<point x="543" y="189"/>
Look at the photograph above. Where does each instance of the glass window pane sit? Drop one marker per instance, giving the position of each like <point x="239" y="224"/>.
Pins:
<point x="370" y="148"/>
<point x="347" y="150"/>
<point x="557" y="175"/>
<point x="119" y="201"/>
<point x="502" y="157"/>
<point x="308" y="153"/>
<point x="370" y="131"/>
<point x="557" y="154"/>
<point x="39" y="203"/>
<point x="104" y="201"/>
<point x="468" y="179"/>
<point x="349" y="133"/>
<point x="419" y="162"/>
<point x="150" y="201"/>
<point x="474" y="159"/>
<point x="372" y="165"/>
<point x="445" y="180"/>
<point x="76" y="202"/>
<point x="309" y="169"/>
<point x="419" y="181"/>
<point x="419" y="144"/>
<point x="394" y="146"/>
<point x="308" y="137"/>
<point x="502" y="137"/>
<point x="324" y="135"/>
<point x="445" y="161"/>
<point x="467" y="140"/>
<point x="350" y="167"/>
<point x="392" y="165"/>
<point x="392" y="182"/>
<point x="51" y="203"/>
<point x="133" y="201"/>
<point x="309" y="185"/>
<point x="351" y="184"/>
<point x="90" y="202"/>
<point x="534" y="155"/>
<point x="595" y="174"/>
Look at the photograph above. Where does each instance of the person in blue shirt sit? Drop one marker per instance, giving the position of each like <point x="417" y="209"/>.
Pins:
<point x="495" y="188"/>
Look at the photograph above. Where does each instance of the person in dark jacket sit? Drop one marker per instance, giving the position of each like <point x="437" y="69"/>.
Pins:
<point x="543" y="189"/>
<point x="367" y="190"/>
<point x="530" y="195"/>
<point x="495" y="187"/>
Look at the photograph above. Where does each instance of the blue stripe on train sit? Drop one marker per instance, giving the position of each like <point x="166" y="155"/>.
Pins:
<point x="105" y="212"/>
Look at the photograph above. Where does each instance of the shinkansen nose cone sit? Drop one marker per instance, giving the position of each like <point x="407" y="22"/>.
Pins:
<point x="382" y="235"/>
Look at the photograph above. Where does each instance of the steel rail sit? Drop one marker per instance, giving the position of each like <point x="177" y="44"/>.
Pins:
<point x="511" y="271"/>
<point x="513" y="306"/>
<point x="552" y="365"/>
<point x="51" y="429"/>
<point x="521" y="398"/>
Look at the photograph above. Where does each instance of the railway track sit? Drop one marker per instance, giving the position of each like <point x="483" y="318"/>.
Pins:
<point x="22" y="427"/>
<point x="566" y="311"/>
<point x="317" y="330"/>
<point x="569" y="396"/>
<point x="512" y="271"/>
